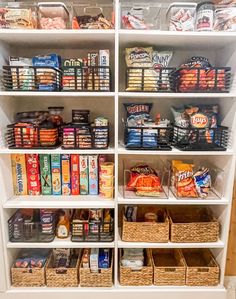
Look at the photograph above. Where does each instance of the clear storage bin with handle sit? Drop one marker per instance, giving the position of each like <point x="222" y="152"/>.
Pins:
<point x="141" y="16"/>
<point x="181" y="16"/>
<point x="54" y="15"/>
<point x="17" y="15"/>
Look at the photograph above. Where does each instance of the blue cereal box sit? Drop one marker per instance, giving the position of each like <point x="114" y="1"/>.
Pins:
<point x="56" y="174"/>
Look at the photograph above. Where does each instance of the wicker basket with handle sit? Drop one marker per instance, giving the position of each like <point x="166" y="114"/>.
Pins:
<point x="62" y="277"/>
<point x="143" y="277"/>
<point x="169" y="267"/>
<point x="141" y="231"/>
<point x="104" y="278"/>
<point x="193" y="225"/>
<point x="202" y="268"/>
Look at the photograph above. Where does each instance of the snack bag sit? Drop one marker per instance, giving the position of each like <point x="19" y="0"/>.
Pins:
<point x="202" y="179"/>
<point x="137" y="113"/>
<point x="184" y="181"/>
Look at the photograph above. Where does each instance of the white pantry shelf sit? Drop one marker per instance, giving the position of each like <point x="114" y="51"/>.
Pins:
<point x="65" y="38"/>
<point x="61" y="243"/>
<point x="175" y="95"/>
<point x="69" y="202"/>
<point x="61" y="94"/>
<point x="58" y="150"/>
<point x="179" y="40"/>
<point x="123" y="151"/>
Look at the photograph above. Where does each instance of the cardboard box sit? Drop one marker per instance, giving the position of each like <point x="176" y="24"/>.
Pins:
<point x="19" y="174"/>
<point x="33" y="175"/>
<point x="93" y="174"/>
<point x="56" y="174"/>
<point x="74" y="163"/>
<point x="45" y="173"/>
<point x="65" y="174"/>
<point x="83" y="166"/>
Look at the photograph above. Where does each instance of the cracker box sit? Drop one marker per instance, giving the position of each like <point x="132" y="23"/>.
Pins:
<point x="56" y="174"/>
<point x="33" y="175"/>
<point x="93" y="174"/>
<point x="65" y="174"/>
<point x="19" y="174"/>
<point x="74" y="164"/>
<point x="83" y="166"/>
<point x="46" y="176"/>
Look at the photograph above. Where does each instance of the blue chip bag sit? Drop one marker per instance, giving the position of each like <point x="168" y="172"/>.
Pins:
<point x="202" y="179"/>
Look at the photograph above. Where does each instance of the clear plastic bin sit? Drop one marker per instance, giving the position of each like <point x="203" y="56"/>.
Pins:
<point x="54" y="15"/>
<point x="97" y="16"/>
<point x="141" y="16"/>
<point x="17" y="15"/>
<point x="180" y="16"/>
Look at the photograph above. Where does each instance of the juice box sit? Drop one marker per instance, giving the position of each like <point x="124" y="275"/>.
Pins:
<point x="74" y="164"/>
<point x="33" y="175"/>
<point x="65" y="174"/>
<point x="45" y="172"/>
<point x="93" y="174"/>
<point x="56" y="174"/>
<point x="83" y="166"/>
<point x="19" y="174"/>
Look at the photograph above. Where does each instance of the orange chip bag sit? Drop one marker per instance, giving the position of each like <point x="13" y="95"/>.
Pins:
<point x="183" y="179"/>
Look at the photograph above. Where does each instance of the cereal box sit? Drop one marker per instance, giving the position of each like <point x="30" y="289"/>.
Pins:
<point x="65" y="174"/>
<point x="56" y="174"/>
<point x="83" y="165"/>
<point x="74" y="163"/>
<point x="33" y="175"/>
<point x="45" y="172"/>
<point x="93" y="174"/>
<point x="19" y="174"/>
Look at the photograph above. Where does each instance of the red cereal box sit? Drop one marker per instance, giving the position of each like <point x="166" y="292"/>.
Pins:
<point x="33" y="174"/>
<point x="74" y="160"/>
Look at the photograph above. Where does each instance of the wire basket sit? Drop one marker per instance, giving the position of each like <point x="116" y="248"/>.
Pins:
<point x="148" y="138"/>
<point x="31" y="78"/>
<point x="149" y="79"/>
<point x="28" y="135"/>
<point x="92" y="78"/>
<point x="203" y="80"/>
<point x="207" y="139"/>
<point x="22" y="230"/>
<point x="85" y="137"/>
<point x="91" y="231"/>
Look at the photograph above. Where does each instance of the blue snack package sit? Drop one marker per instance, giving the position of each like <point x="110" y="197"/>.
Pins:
<point x="47" y="78"/>
<point x="136" y="139"/>
<point x="104" y="258"/>
<point x="202" y="179"/>
<point x="137" y="113"/>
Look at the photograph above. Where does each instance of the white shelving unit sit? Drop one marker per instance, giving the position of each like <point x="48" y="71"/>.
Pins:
<point x="221" y="50"/>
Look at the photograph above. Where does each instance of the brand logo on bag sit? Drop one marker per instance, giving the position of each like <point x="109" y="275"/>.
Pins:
<point x="138" y="109"/>
<point x="199" y="120"/>
<point x="141" y="55"/>
<point x="184" y="175"/>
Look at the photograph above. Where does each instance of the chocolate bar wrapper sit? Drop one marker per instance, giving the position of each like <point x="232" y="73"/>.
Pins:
<point x="19" y="174"/>
<point x="74" y="160"/>
<point x="56" y="174"/>
<point x="93" y="174"/>
<point x="104" y="60"/>
<point x="65" y="174"/>
<point x="45" y="172"/>
<point x="33" y="175"/>
<point x="83" y="165"/>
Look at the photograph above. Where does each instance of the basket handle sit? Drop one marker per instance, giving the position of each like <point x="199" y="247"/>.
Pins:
<point x="61" y="271"/>
<point x="203" y="270"/>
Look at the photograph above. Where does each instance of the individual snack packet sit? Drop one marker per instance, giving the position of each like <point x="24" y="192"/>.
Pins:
<point x="202" y="179"/>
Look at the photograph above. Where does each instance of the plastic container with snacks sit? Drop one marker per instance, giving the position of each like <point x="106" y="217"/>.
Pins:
<point x="181" y="16"/>
<point x="54" y="15"/>
<point x="18" y="15"/>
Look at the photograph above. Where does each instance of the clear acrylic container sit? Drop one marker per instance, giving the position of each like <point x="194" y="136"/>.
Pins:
<point x="156" y="186"/>
<point x="93" y="16"/>
<point x="180" y="16"/>
<point x="17" y="15"/>
<point x="216" y="186"/>
<point x="141" y="16"/>
<point x="54" y="15"/>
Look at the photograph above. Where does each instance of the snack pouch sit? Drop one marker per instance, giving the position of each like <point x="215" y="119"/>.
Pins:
<point x="137" y="113"/>
<point x="202" y="179"/>
<point x="184" y="181"/>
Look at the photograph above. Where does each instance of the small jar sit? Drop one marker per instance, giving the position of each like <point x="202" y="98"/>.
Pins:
<point x="205" y="16"/>
<point x="150" y="217"/>
<point x="56" y="115"/>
